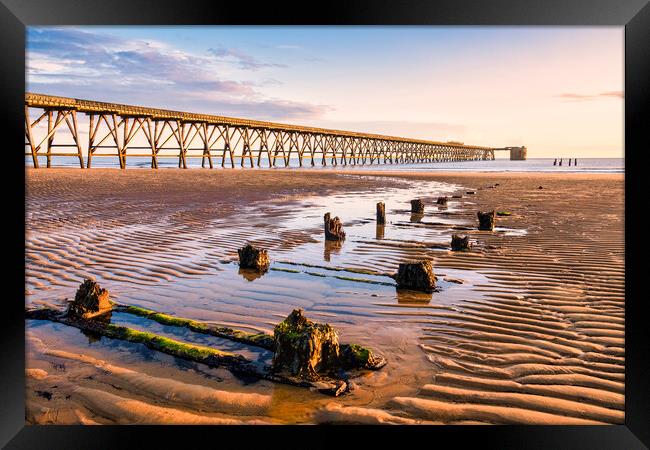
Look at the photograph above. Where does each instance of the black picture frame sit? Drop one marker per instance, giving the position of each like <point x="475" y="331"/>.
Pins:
<point x="15" y="15"/>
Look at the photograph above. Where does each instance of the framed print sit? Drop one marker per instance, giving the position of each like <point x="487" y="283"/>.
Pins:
<point x="408" y="219"/>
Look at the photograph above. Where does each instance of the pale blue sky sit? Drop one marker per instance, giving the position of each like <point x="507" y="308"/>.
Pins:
<point x="553" y="89"/>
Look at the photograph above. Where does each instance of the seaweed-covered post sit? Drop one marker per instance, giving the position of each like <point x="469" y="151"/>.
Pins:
<point x="333" y="228"/>
<point x="417" y="275"/>
<point x="90" y="300"/>
<point x="459" y="242"/>
<point x="381" y="213"/>
<point x="442" y="201"/>
<point x="305" y="348"/>
<point x="253" y="258"/>
<point x="486" y="220"/>
<point x="417" y="206"/>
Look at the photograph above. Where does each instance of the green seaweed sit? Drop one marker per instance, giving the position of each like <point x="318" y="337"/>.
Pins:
<point x="316" y="274"/>
<point x="504" y="213"/>
<point x="164" y="344"/>
<point x="259" y="339"/>
<point x="363" y="280"/>
<point x="282" y="269"/>
<point x="335" y="269"/>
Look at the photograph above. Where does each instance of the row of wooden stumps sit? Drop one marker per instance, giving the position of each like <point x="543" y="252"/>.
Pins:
<point x="416" y="275"/>
<point x="305" y="353"/>
<point x="555" y="163"/>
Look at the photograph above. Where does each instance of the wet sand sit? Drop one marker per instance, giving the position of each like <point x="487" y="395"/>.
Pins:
<point x="528" y="327"/>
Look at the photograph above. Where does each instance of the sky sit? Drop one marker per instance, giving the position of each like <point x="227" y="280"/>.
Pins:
<point x="556" y="90"/>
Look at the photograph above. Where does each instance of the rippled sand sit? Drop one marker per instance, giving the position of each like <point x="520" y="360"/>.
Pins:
<point x="528" y="327"/>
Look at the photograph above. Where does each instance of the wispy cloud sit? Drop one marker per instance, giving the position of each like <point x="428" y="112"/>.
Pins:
<point x="288" y="47"/>
<point x="100" y="66"/>
<point x="586" y="97"/>
<point x="240" y="58"/>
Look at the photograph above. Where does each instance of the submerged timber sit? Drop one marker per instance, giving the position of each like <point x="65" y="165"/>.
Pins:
<point x="125" y="130"/>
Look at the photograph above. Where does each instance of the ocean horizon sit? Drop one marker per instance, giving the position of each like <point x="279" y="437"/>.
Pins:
<point x="585" y="165"/>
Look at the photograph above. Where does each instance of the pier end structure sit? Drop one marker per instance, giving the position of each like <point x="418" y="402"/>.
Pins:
<point x="518" y="153"/>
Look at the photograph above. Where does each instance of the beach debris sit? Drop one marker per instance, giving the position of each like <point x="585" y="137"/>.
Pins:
<point x="457" y="196"/>
<point x="541" y="187"/>
<point x="305" y="348"/>
<point x="470" y="192"/>
<point x="417" y="206"/>
<point x="486" y="220"/>
<point x="320" y="348"/>
<point x="442" y="200"/>
<point x="496" y="184"/>
<point x="253" y="258"/>
<point x="504" y="213"/>
<point x="90" y="300"/>
<point x="416" y="275"/>
<point x="381" y="213"/>
<point x="459" y="242"/>
<point x="311" y="350"/>
<point x="333" y="229"/>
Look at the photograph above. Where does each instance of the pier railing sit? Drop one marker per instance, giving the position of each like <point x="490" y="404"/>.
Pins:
<point x="119" y="131"/>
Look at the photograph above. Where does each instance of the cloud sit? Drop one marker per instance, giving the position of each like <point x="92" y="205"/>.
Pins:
<point x="99" y="66"/>
<point x="587" y="97"/>
<point x="244" y="60"/>
<point x="288" y="47"/>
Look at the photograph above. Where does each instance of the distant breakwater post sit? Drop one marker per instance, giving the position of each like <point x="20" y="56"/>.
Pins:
<point x="118" y="131"/>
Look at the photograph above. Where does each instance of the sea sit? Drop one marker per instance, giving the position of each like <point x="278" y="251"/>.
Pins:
<point x="584" y="165"/>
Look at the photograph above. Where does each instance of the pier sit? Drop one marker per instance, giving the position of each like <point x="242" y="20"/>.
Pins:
<point x="119" y="131"/>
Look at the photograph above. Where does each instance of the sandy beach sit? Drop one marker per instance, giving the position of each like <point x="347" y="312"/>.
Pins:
<point x="526" y="328"/>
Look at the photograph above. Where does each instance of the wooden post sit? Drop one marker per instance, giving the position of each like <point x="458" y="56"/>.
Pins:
<point x="75" y="136"/>
<point x="381" y="213"/>
<point x="30" y="137"/>
<point x="50" y="139"/>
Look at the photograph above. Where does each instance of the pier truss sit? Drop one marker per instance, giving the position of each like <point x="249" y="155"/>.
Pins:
<point x="119" y="131"/>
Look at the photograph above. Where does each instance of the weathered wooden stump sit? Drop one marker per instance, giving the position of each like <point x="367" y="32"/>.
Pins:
<point x="459" y="242"/>
<point x="416" y="275"/>
<point x="90" y="301"/>
<point x="442" y="200"/>
<point x="333" y="228"/>
<point x="417" y="207"/>
<point x="253" y="258"/>
<point x="381" y="213"/>
<point x="379" y="231"/>
<point x="304" y="348"/>
<point x="486" y="220"/>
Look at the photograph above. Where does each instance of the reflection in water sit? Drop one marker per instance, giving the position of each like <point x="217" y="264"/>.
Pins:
<point x="405" y="296"/>
<point x="379" y="234"/>
<point x="416" y="217"/>
<point x="250" y="274"/>
<point x="332" y="247"/>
